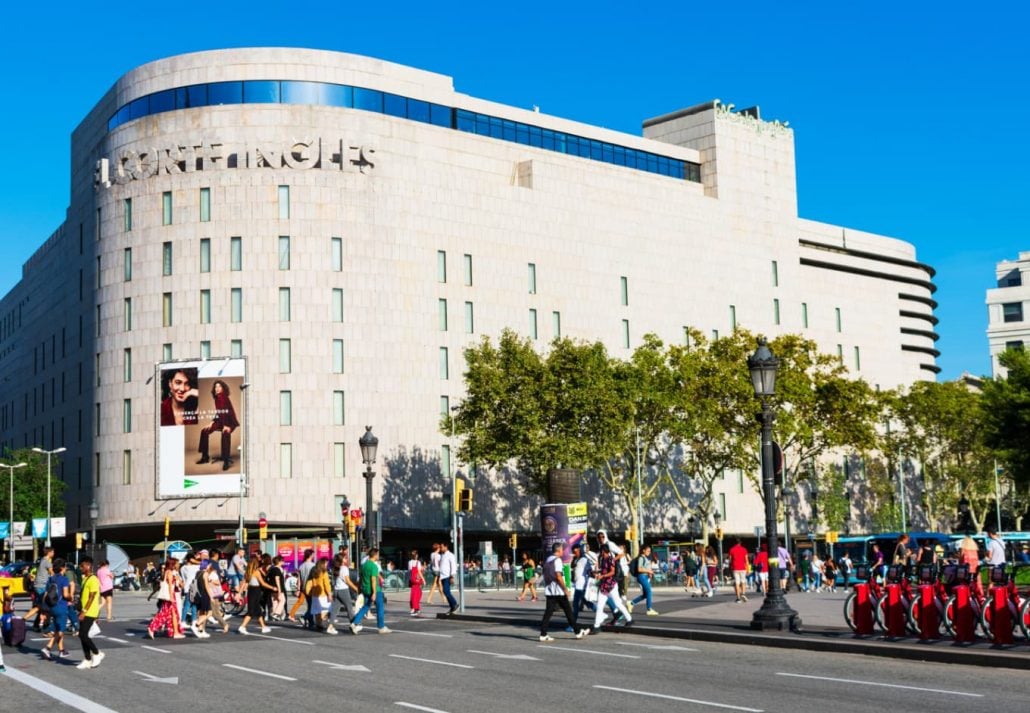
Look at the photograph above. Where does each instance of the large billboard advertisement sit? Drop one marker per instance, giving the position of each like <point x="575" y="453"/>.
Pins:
<point x="201" y="427"/>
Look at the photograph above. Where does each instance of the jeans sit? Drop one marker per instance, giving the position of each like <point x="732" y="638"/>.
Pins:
<point x="645" y="589"/>
<point x="380" y="610"/>
<point x="447" y="593"/>
<point x="702" y="579"/>
<point x="579" y="600"/>
<point x="189" y="609"/>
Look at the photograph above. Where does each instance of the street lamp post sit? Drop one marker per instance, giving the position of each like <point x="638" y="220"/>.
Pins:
<point x="369" y="444"/>
<point x="48" y="454"/>
<point x="94" y="514"/>
<point x="717" y="516"/>
<point x="774" y="612"/>
<point x="10" y="520"/>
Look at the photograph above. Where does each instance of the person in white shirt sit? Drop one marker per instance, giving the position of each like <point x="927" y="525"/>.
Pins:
<point x="557" y="593"/>
<point x="434" y="567"/>
<point x="995" y="549"/>
<point x="448" y="570"/>
<point x="582" y="571"/>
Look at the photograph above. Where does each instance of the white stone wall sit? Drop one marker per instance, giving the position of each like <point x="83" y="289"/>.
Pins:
<point x="999" y="332"/>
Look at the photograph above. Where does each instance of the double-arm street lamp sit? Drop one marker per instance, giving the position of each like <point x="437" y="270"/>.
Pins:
<point x="48" y="454"/>
<point x="369" y="444"/>
<point x="774" y="612"/>
<point x="10" y="520"/>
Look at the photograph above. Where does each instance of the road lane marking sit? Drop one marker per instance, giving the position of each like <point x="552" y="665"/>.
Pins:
<point x="681" y="699"/>
<point x="66" y="697"/>
<point x="441" y="663"/>
<point x="418" y="707"/>
<point x="259" y="673"/>
<point x="657" y="647"/>
<point x="343" y="666"/>
<point x="154" y="648"/>
<point x="283" y="638"/>
<point x="151" y="678"/>
<point x="588" y="651"/>
<point x="884" y="685"/>
<point x="120" y="641"/>
<point x="423" y="633"/>
<point x="517" y="657"/>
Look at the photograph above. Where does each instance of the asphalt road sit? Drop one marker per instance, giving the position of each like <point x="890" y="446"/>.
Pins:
<point x="434" y="665"/>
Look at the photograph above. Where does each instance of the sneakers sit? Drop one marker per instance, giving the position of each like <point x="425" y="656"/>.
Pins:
<point x="743" y="597"/>
<point x="451" y="611"/>
<point x="95" y="661"/>
<point x="652" y="612"/>
<point x="628" y="623"/>
<point x="737" y="600"/>
<point x="581" y="633"/>
<point x="709" y="594"/>
<point x="86" y="663"/>
<point x="415" y="614"/>
<point x="546" y="639"/>
<point x="266" y="630"/>
<point x="243" y="630"/>
<point x="196" y="631"/>
<point x="65" y="654"/>
<point x="355" y="628"/>
<point x="45" y="653"/>
<point x="331" y="630"/>
<point x="385" y="630"/>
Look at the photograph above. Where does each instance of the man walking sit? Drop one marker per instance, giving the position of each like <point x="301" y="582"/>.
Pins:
<point x="995" y="549"/>
<point x="44" y="570"/>
<point x="738" y="565"/>
<point x="237" y="568"/>
<point x="557" y="593"/>
<point x="90" y="603"/>
<point x="373" y="591"/>
<point x="448" y="570"/>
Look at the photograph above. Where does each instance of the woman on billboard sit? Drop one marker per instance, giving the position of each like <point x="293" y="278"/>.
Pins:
<point x="225" y="421"/>
<point x="179" y="397"/>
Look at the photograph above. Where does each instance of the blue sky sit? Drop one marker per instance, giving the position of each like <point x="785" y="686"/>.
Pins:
<point x="908" y="122"/>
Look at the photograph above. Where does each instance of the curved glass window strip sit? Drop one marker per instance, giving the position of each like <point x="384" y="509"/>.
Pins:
<point x="272" y="91"/>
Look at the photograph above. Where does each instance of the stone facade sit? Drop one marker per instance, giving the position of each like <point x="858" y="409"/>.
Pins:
<point x="1008" y="309"/>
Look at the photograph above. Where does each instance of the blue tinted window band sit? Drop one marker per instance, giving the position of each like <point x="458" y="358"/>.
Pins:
<point x="271" y="91"/>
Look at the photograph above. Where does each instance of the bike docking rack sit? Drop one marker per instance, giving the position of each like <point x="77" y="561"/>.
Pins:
<point x="896" y="614"/>
<point x="927" y="614"/>
<point x="1000" y="621"/>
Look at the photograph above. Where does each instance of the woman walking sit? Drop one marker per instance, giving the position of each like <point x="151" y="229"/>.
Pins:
<point x="434" y="567"/>
<point x="703" y="584"/>
<point x="256" y="586"/>
<point x="528" y="573"/>
<point x="277" y="578"/>
<point x="167" y="616"/>
<point x="211" y="580"/>
<point x="106" y="579"/>
<point x="608" y="591"/>
<point x="343" y="586"/>
<point x="416" y="579"/>
<point x="202" y="603"/>
<point x="319" y="591"/>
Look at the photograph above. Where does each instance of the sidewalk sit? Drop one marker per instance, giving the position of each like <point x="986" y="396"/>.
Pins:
<point x="721" y="619"/>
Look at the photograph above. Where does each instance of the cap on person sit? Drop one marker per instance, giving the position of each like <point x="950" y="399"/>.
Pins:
<point x="203" y="553"/>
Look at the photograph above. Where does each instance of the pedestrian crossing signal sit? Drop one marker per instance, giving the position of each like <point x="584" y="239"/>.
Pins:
<point x="513" y="542"/>
<point x="465" y="500"/>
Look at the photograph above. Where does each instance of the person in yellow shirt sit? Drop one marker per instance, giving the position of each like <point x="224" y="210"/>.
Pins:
<point x="319" y="592"/>
<point x="90" y="610"/>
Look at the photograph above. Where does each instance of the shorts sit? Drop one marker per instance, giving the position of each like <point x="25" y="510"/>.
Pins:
<point x="106" y="593"/>
<point x="59" y="620"/>
<point x="763" y="576"/>
<point x="740" y="576"/>
<point x="320" y="605"/>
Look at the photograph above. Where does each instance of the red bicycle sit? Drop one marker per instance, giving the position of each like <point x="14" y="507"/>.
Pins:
<point x="976" y="598"/>
<point x="896" y="574"/>
<point x="234" y="603"/>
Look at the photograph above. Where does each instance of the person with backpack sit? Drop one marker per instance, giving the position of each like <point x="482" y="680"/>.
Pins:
<point x="608" y="590"/>
<point x="641" y="569"/>
<point x="373" y="591"/>
<point x="416" y="579"/>
<point x="557" y="593"/>
<point x="188" y="571"/>
<point x="56" y="599"/>
<point x="44" y="569"/>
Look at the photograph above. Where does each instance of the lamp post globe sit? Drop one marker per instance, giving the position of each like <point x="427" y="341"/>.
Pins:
<point x="369" y="444"/>
<point x="774" y="612"/>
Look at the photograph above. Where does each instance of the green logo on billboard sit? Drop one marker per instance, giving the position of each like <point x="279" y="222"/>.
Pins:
<point x="189" y="483"/>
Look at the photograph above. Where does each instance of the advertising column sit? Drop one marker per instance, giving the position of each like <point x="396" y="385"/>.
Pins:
<point x="565" y="523"/>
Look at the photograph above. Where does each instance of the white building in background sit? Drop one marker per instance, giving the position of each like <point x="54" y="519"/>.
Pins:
<point x="1008" y="309"/>
<point x="349" y="225"/>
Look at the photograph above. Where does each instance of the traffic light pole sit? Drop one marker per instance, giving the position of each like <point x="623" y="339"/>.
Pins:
<point x="461" y="563"/>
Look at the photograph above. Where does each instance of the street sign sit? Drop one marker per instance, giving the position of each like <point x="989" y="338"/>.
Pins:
<point x="58" y="527"/>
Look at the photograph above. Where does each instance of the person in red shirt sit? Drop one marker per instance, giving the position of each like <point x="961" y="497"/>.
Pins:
<point x="738" y="565"/>
<point x="762" y="567"/>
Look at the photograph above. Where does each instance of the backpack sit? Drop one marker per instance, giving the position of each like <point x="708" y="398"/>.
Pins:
<point x="194" y="590"/>
<point x="51" y="596"/>
<point x="634" y="566"/>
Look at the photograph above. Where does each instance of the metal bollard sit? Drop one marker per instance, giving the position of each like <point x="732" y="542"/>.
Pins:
<point x="863" y="611"/>
<point x="929" y="625"/>
<point x="895" y="612"/>
<point x="963" y="616"/>
<point x="1001" y="618"/>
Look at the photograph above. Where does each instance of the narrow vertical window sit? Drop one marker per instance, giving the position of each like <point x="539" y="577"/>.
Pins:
<point x="126" y="365"/>
<point x="532" y="324"/>
<point x="445" y="405"/>
<point x="337" y="254"/>
<point x="337" y="356"/>
<point x="840" y="353"/>
<point x="236" y="348"/>
<point x="715" y="334"/>
<point x="531" y="277"/>
<point x="776" y="311"/>
<point x="236" y="253"/>
<point x="284" y="252"/>
<point x="556" y="324"/>
<point x="285" y="460"/>
<point x="98" y="320"/>
<point x="166" y="208"/>
<point x="624" y="291"/>
<point x="468" y="270"/>
<point x="441" y="266"/>
<point x="470" y="324"/>
<point x="205" y="205"/>
<point x="284" y="304"/>
<point x="445" y="461"/>
<point x="236" y="304"/>
<point x="445" y="372"/>
<point x="166" y="259"/>
<point x="127" y="219"/>
<point x="96" y="419"/>
<point x="96" y="469"/>
<point x="127" y="314"/>
<point x="686" y="336"/>
<point x="284" y="202"/>
<point x="284" y="356"/>
<point x="858" y="359"/>
<point x="205" y="254"/>
<point x="775" y="274"/>
<point x="166" y="352"/>
<point x="338" y="408"/>
<point x="337" y="311"/>
<point x="625" y="333"/>
<point x="441" y="314"/>
<point x="733" y="316"/>
<point x="804" y="315"/>
<point x="126" y="415"/>
<point x="205" y="350"/>
<point x="99" y="274"/>
<point x="126" y="467"/>
<point x="99" y="223"/>
<point x="339" y="460"/>
<point x="127" y="264"/>
<point x="836" y="315"/>
<point x="205" y="306"/>
<point x="285" y="408"/>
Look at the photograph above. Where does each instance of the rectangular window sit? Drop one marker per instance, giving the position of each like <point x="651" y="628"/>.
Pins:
<point x="166" y="352"/>
<point x="96" y="469"/>
<point x="740" y="481"/>
<point x="127" y="264"/>
<point x="858" y="359"/>
<point x="205" y="205"/>
<point x="285" y="361"/>
<point x="625" y="333"/>
<point x="285" y="460"/>
<point x="337" y="356"/>
<point x="776" y="311"/>
<point x="722" y="504"/>
<point x="236" y="254"/>
<point x="236" y="304"/>
<point x="284" y="252"/>
<point x="126" y="365"/>
<point x="166" y="208"/>
<point x="1012" y="312"/>
<point x="338" y="408"/>
<point x="441" y="314"/>
<point x="531" y="274"/>
<point x="445" y="405"/>
<point x="205" y="350"/>
<point x="96" y="417"/>
<point x="1016" y="345"/>
<point x="205" y="306"/>
<point x="98" y="320"/>
<point x="126" y="415"/>
<point x="532" y="324"/>
<point x="470" y="324"/>
<point x="236" y="348"/>
<point x="624" y="290"/>
<point x="339" y="460"/>
<point x="285" y="408"/>
<point x="126" y="467"/>
<point x="836" y="315"/>
<point x="445" y="372"/>
<point x="775" y="274"/>
<point x="733" y="316"/>
<point x="166" y="259"/>
<point x="284" y="202"/>
<point x="99" y="274"/>
<point x="127" y="220"/>
<point x="804" y="315"/>
<point x="445" y="460"/>
<point x="468" y="270"/>
<point x="127" y="314"/>
<point x="205" y="255"/>
<point x="337" y="310"/>
<point x="337" y="254"/>
<point x="840" y="353"/>
<point x="99" y="223"/>
<point x="284" y="304"/>
<point x="556" y="324"/>
<point x="715" y="334"/>
<point x="441" y="266"/>
<point x="686" y="337"/>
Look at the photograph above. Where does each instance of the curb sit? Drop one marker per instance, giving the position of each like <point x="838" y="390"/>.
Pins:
<point x="955" y="654"/>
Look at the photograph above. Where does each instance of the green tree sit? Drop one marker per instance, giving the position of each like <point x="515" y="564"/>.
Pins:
<point x="30" y="486"/>
<point x="1007" y="415"/>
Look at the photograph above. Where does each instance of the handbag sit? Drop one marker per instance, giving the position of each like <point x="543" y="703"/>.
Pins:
<point x="592" y="591"/>
<point x="94" y="630"/>
<point x="359" y="602"/>
<point x="164" y="593"/>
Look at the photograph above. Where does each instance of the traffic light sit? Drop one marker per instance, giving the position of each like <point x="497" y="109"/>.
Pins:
<point x="465" y="500"/>
<point x="513" y="541"/>
<point x="78" y="540"/>
<point x="262" y="529"/>
<point x="459" y="494"/>
<point x="355" y="519"/>
<point x="168" y="525"/>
